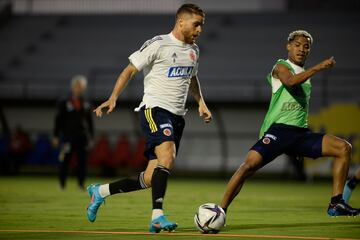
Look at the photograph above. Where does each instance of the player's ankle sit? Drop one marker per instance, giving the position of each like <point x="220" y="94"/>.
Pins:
<point x="156" y="213"/>
<point x="336" y="199"/>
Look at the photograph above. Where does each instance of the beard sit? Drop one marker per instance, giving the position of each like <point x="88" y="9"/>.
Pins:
<point x="188" y="37"/>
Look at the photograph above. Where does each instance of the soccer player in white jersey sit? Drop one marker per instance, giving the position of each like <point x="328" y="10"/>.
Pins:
<point x="170" y="64"/>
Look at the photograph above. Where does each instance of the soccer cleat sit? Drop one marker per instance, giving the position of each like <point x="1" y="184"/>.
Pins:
<point x="161" y="223"/>
<point x="347" y="192"/>
<point x="342" y="209"/>
<point x="96" y="201"/>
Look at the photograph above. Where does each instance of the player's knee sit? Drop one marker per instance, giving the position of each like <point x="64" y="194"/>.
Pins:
<point x="248" y="168"/>
<point x="251" y="164"/>
<point x="147" y="178"/>
<point x="166" y="159"/>
<point x="345" y="149"/>
<point x="167" y="162"/>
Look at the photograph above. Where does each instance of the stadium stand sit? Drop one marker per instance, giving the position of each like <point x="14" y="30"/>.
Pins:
<point x="237" y="51"/>
<point x="39" y="54"/>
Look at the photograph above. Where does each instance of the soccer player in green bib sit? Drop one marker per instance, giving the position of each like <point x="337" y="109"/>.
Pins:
<point x="285" y="127"/>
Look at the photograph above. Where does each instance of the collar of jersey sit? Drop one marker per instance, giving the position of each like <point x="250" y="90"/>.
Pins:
<point x="297" y="68"/>
<point x="171" y="35"/>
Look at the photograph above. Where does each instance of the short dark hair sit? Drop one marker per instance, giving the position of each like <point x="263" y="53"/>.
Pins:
<point x="189" y="8"/>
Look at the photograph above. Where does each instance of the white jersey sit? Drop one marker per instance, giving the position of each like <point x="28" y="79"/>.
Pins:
<point x="168" y="65"/>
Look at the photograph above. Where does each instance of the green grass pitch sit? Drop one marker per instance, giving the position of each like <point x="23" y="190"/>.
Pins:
<point x="264" y="209"/>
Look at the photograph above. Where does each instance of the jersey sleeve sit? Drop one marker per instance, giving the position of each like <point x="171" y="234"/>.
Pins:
<point x="146" y="54"/>
<point x="195" y="71"/>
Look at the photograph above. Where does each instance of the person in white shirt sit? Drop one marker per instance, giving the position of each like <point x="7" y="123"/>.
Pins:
<point x="169" y="63"/>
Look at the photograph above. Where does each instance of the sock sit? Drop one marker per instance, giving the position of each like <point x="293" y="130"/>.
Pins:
<point x="128" y="184"/>
<point x="353" y="182"/>
<point x="156" y="213"/>
<point x="159" y="183"/>
<point x="336" y="199"/>
<point x="104" y="190"/>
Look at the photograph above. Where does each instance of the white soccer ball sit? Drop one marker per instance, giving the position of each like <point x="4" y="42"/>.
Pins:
<point x="210" y="218"/>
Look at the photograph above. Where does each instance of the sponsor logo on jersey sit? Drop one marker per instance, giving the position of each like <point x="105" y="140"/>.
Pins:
<point x="266" y="140"/>
<point x="291" y="106"/>
<point x="166" y="125"/>
<point x="167" y="132"/>
<point x="271" y="136"/>
<point x="180" y="71"/>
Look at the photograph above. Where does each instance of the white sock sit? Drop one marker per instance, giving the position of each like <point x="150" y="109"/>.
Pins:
<point x="156" y="213"/>
<point x="104" y="190"/>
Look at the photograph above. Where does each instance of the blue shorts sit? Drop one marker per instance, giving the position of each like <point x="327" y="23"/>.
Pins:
<point x="158" y="126"/>
<point x="291" y="140"/>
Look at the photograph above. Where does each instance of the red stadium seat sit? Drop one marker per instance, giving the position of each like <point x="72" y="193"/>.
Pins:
<point x="122" y="154"/>
<point x="101" y="152"/>
<point x="139" y="161"/>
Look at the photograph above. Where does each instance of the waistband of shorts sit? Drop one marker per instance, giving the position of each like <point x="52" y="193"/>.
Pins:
<point x="282" y="125"/>
<point x="162" y="110"/>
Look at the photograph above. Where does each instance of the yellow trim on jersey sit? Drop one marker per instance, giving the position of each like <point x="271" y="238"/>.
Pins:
<point x="150" y="120"/>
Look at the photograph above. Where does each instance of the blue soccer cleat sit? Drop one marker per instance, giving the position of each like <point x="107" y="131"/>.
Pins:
<point x="96" y="201"/>
<point x="161" y="223"/>
<point x="347" y="192"/>
<point x="342" y="209"/>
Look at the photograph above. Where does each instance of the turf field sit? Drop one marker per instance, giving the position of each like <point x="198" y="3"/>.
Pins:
<point x="265" y="210"/>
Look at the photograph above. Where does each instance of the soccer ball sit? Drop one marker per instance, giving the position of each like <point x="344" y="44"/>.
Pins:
<point x="210" y="218"/>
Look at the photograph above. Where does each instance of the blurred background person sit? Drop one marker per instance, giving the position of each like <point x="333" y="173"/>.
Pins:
<point x="20" y="148"/>
<point x="4" y="143"/>
<point x="73" y="131"/>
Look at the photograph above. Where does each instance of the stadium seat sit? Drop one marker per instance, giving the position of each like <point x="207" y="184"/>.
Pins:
<point x="122" y="154"/>
<point x="139" y="161"/>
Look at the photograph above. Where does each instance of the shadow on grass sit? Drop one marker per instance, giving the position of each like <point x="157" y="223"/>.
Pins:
<point x="290" y="225"/>
<point x="279" y="226"/>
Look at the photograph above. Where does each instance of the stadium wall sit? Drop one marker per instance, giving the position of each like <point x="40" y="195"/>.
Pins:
<point x="217" y="147"/>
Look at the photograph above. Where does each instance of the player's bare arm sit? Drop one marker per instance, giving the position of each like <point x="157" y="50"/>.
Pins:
<point x="128" y="73"/>
<point x="195" y="90"/>
<point x="282" y="73"/>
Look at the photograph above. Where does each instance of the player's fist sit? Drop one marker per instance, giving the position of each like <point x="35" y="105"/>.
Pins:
<point x="205" y="113"/>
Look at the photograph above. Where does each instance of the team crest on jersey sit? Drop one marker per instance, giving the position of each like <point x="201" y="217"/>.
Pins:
<point x="266" y="140"/>
<point x="180" y="71"/>
<point x="192" y="56"/>
<point x="167" y="132"/>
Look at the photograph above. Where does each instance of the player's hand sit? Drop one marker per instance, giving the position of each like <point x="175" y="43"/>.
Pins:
<point x="55" y="142"/>
<point x="90" y="144"/>
<point x="205" y="113"/>
<point x="328" y="63"/>
<point x="109" y="104"/>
